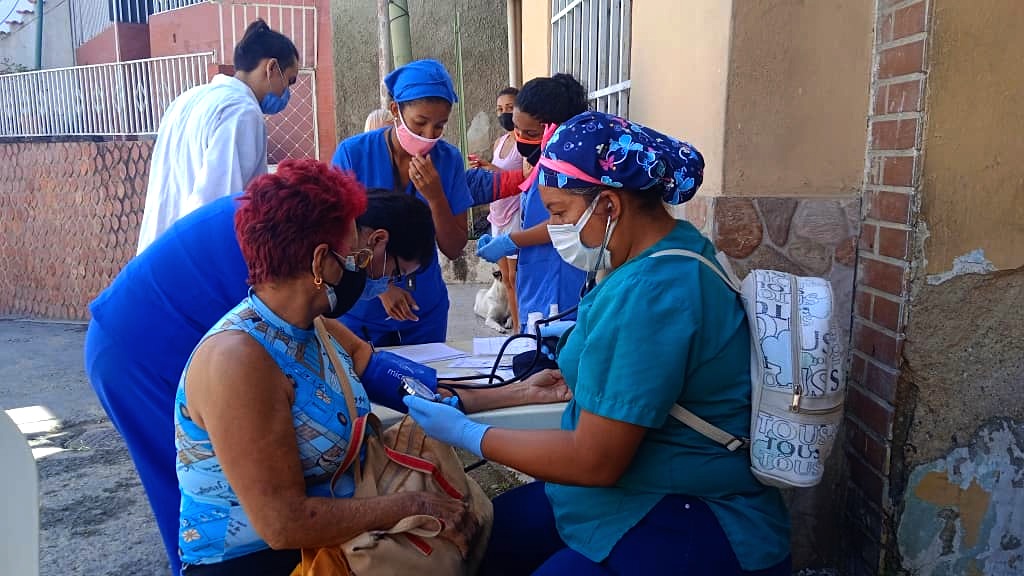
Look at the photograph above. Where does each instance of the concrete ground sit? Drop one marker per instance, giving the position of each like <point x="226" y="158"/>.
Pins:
<point x="94" y="516"/>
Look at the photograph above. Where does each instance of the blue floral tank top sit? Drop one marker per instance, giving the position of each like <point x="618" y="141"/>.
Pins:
<point x="214" y="527"/>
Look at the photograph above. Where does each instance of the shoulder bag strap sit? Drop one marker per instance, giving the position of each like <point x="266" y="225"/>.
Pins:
<point x="358" y="434"/>
<point x="705" y="428"/>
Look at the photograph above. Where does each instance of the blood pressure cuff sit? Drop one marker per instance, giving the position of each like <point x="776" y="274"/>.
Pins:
<point x="523" y="365"/>
<point x="383" y="378"/>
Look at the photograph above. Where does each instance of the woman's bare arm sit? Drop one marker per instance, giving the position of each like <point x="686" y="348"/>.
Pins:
<point x="242" y="399"/>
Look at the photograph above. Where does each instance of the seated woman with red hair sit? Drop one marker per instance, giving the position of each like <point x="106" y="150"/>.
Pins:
<point x="261" y="419"/>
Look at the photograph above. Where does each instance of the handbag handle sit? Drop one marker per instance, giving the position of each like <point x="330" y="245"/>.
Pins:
<point x="356" y="437"/>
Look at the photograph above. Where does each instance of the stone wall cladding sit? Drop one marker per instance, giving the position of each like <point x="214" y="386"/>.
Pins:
<point x="69" y="219"/>
<point x="892" y="168"/>
<point x="803" y="236"/>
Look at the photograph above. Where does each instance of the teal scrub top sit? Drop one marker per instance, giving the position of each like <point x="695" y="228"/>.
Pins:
<point x="655" y="332"/>
<point x="368" y="156"/>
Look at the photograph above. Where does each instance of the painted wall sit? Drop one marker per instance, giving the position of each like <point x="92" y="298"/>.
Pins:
<point x="536" y="39"/>
<point x="797" y="97"/>
<point x="959" y="463"/>
<point x="484" y="49"/>
<point x="686" y="98"/>
<point x="973" y="179"/>
<point x="102" y="49"/>
<point x="20" y="45"/>
<point x="187" y="31"/>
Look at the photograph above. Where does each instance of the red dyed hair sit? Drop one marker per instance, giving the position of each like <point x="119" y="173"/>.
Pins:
<point x="283" y="217"/>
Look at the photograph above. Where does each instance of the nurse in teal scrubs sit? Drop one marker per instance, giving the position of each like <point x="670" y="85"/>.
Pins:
<point x="623" y="487"/>
<point x="410" y="157"/>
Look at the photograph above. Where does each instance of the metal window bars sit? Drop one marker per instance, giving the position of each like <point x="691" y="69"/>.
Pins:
<point x="590" y="39"/>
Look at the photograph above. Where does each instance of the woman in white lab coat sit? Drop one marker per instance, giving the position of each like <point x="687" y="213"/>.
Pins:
<point x="213" y="138"/>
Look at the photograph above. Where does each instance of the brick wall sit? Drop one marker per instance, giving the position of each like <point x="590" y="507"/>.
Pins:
<point x="882" y="288"/>
<point x="69" y="218"/>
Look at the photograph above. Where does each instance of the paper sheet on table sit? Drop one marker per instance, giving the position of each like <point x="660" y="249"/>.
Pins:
<point x="481" y="362"/>
<point x="491" y="346"/>
<point x="426" y="353"/>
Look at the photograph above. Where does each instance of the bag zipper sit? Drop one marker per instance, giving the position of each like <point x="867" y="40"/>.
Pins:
<point x="795" y="344"/>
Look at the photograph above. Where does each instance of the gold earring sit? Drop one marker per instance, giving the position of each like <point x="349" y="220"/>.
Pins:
<point x="318" y="282"/>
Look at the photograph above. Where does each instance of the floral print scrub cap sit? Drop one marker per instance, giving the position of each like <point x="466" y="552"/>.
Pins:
<point x="599" y="149"/>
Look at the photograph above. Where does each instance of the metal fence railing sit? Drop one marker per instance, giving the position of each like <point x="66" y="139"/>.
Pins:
<point x="590" y="39"/>
<point x="168" y="5"/>
<point x="122" y="98"/>
<point x="294" y="133"/>
<point x="296" y="22"/>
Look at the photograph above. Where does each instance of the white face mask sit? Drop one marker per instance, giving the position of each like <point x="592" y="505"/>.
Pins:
<point x="566" y="240"/>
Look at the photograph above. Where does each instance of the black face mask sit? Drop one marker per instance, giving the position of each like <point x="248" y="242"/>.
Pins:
<point x="344" y="295"/>
<point x="505" y="120"/>
<point x="531" y="152"/>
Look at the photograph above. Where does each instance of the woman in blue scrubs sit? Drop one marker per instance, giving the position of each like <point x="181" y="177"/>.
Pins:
<point x="411" y="158"/>
<point x="624" y="488"/>
<point x="543" y="278"/>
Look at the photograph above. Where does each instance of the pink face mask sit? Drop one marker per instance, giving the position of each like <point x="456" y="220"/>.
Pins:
<point x="412" y="143"/>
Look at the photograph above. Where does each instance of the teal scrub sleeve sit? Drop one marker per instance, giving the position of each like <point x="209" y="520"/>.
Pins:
<point x="635" y="357"/>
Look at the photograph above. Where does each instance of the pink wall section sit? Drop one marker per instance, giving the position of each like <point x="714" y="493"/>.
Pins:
<point x="186" y="31"/>
<point x="134" y="40"/>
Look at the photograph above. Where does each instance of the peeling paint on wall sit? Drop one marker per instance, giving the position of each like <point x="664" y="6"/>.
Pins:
<point x="964" y="513"/>
<point x="974" y="262"/>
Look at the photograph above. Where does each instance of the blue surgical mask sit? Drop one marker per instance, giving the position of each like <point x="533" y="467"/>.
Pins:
<point x="377" y="286"/>
<point x="272" y="103"/>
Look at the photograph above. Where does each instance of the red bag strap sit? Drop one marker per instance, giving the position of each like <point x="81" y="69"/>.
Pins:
<point x="426" y="467"/>
<point x="355" y="444"/>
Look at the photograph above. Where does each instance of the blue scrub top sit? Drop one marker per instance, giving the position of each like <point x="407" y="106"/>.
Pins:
<point x="542" y="277"/>
<point x="166" y="298"/>
<point x="655" y="332"/>
<point x="368" y="156"/>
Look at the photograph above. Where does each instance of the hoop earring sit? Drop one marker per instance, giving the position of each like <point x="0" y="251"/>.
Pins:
<point x="318" y="282"/>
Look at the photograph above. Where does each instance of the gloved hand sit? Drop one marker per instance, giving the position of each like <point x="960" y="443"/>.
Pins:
<point x="447" y="424"/>
<point x="494" y="248"/>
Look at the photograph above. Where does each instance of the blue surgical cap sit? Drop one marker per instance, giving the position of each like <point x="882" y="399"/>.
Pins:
<point x="420" y="79"/>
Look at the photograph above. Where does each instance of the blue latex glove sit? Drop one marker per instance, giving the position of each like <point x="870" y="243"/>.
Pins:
<point x="557" y="328"/>
<point x="447" y="424"/>
<point x="494" y="248"/>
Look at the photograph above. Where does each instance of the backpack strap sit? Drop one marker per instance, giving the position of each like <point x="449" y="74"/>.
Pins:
<point x="723" y="270"/>
<point x="707" y="429"/>
<point x="702" y="426"/>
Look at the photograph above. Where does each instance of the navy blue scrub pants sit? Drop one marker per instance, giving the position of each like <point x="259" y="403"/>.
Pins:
<point x="679" y="536"/>
<point x="140" y="403"/>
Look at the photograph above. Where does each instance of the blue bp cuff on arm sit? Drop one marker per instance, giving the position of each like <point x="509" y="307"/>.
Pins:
<point x="382" y="378"/>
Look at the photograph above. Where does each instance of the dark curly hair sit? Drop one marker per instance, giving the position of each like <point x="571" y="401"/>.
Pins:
<point x="283" y="217"/>
<point x="553" y="100"/>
